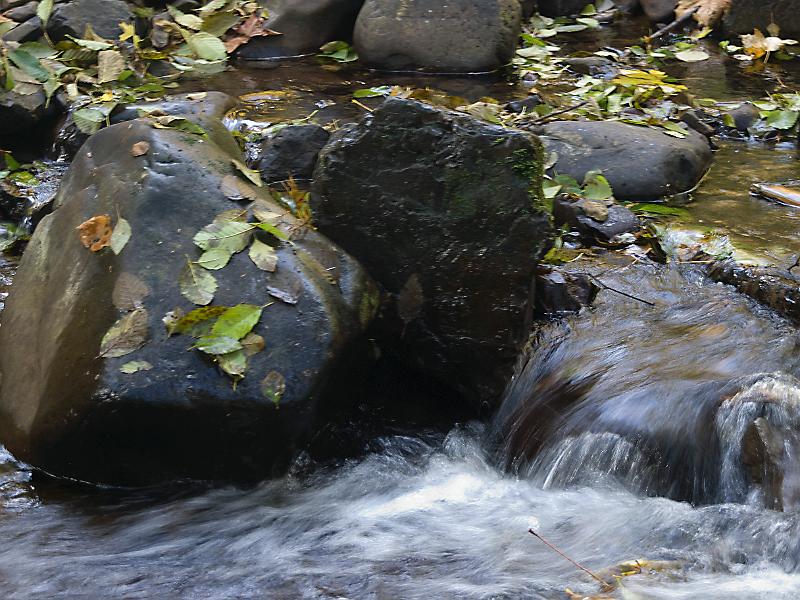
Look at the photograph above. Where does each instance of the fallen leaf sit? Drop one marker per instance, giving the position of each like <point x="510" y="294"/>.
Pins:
<point x="120" y="236"/>
<point x="95" y="233"/>
<point x="282" y="295"/>
<point x="214" y="259"/>
<point x="110" y="64"/>
<point x="251" y="174"/>
<point x="215" y="344"/>
<point x="233" y="363"/>
<point x="709" y="12"/>
<point x="188" y="324"/>
<point x="236" y="189"/>
<point x="263" y="256"/>
<point x="129" y="292"/>
<point x="252" y="344"/>
<point x="140" y="148"/>
<point x="273" y="387"/>
<point x="237" y="321"/>
<point x="253" y="26"/>
<point x="197" y="285"/>
<point x="126" y="335"/>
<point x="233" y="236"/>
<point x="135" y="366"/>
<point x="694" y="55"/>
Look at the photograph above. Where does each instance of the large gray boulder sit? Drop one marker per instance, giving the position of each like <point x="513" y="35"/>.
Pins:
<point x="304" y="27"/>
<point x="447" y="213"/>
<point x="559" y="8"/>
<point x="746" y="15"/>
<point x="80" y="415"/>
<point x="640" y="163"/>
<point x="71" y="18"/>
<point x="454" y="36"/>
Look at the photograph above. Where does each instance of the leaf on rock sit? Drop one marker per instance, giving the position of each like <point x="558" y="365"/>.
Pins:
<point x="263" y="256"/>
<point x="197" y="285"/>
<point x="230" y="235"/>
<point x="179" y="123"/>
<point x="135" y="366"/>
<point x="215" y="344"/>
<point x="410" y="300"/>
<point x="188" y="324"/>
<point x="273" y="387"/>
<point x="264" y="213"/>
<point x="214" y="259"/>
<point x="120" y="236"/>
<point x="251" y="174"/>
<point x="140" y="148"/>
<point x="596" y="187"/>
<point x="252" y="344"/>
<point x="88" y="120"/>
<point x="253" y="26"/>
<point x="237" y="321"/>
<point x="126" y="335"/>
<point x="129" y="292"/>
<point x="282" y="295"/>
<point x="206" y="46"/>
<point x="233" y="363"/>
<point x="110" y="65"/>
<point x="95" y="233"/>
<point x="236" y="189"/>
<point x="44" y="10"/>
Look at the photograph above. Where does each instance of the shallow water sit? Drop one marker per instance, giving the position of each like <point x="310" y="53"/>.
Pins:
<point x="439" y="516"/>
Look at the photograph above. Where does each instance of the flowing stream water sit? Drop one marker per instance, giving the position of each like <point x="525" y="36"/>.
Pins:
<point x="623" y="437"/>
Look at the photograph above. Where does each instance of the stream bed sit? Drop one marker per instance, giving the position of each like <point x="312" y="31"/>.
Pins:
<point x="436" y="514"/>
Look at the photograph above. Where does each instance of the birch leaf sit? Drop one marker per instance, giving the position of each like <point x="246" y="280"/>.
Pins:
<point x="237" y="321"/>
<point x="197" y="285"/>
<point x="121" y="236"/>
<point x="263" y="256"/>
<point x="126" y="335"/>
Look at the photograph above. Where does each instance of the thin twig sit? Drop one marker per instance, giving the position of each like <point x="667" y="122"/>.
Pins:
<point x="620" y="292"/>
<point x="648" y="39"/>
<point x="364" y="106"/>
<point x="564" y="556"/>
<point x="558" y="112"/>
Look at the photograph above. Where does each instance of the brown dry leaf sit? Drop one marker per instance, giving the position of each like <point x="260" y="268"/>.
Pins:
<point x="95" y="233"/>
<point x="251" y="27"/>
<point x="709" y="12"/>
<point x="129" y="291"/>
<point x="126" y="335"/>
<point x="140" y="149"/>
<point x="252" y="344"/>
<point x="410" y="300"/>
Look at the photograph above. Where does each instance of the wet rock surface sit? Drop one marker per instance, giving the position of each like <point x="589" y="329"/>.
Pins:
<point x="20" y="112"/>
<point x="746" y="15"/>
<point x="456" y="36"/>
<point x="595" y="220"/>
<point x="82" y="416"/>
<point x="559" y="8"/>
<point x="445" y="212"/>
<point x="560" y="292"/>
<point x="305" y="26"/>
<point x="640" y="163"/>
<point x="292" y="153"/>
<point x="104" y="16"/>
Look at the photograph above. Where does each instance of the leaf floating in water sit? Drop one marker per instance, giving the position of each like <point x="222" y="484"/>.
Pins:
<point x="237" y="321"/>
<point x="95" y="233"/>
<point x="197" y="285"/>
<point x="282" y="295"/>
<point x="214" y="259"/>
<point x="216" y="344"/>
<point x="121" y="236"/>
<point x="273" y="387"/>
<point x="263" y="256"/>
<point x="135" y="366"/>
<point x="251" y="174"/>
<point x="410" y="300"/>
<point x="189" y="323"/>
<point x="129" y="291"/>
<point x="126" y="335"/>
<point x="140" y="149"/>
<point x="252" y="344"/>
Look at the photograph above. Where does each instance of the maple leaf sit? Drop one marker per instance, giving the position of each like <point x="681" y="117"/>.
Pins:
<point x="95" y="233"/>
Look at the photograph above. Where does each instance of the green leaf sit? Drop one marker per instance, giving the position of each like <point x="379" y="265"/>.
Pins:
<point x="194" y="323"/>
<point x="213" y="344"/>
<point x="693" y="55"/>
<point x="88" y="120"/>
<point x="29" y="64"/>
<point x="120" y="236"/>
<point x="589" y="22"/>
<point x="44" y="10"/>
<point x="181" y="18"/>
<point x="251" y="174"/>
<point x="270" y="228"/>
<point x="596" y="187"/>
<point x="373" y="92"/>
<point x="674" y="129"/>
<point x="273" y="387"/>
<point x="237" y="321"/>
<point x="263" y="256"/>
<point x="215" y="258"/>
<point x="229" y="235"/>
<point x="179" y="123"/>
<point x="782" y="119"/>
<point x="659" y="209"/>
<point x="135" y="366"/>
<point x="91" y="44"/>
<point x="220" y="23"/>
<point x="126" y="335"/>
<point x="197" y="285"/>
<point x="233" y="363"/>
<point x="212" y="6"/>
<point x="206" y="46"/>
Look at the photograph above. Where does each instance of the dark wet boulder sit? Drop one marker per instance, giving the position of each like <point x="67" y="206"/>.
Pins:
<point x="742" y="117"/>
<point x="151" y="408"/>
<point x="659" y="11"/>
<point x="292" y="153"/>
<point x="640" y="163"/>
<point x="454" y="36"/>
<point x="525" y="104"/>
<point x="304" y="27"/>
<point x="560" y="8"/>
<point x="774" y="287"/>
<point x="560" y="292"/>
<point x="446" y="212"/>
<point x="746" y="15"/>
<point x="104" y="16"/>
<point x="20" y="112"/>
<point x="595" y="220"/>
<point x="528" y="8"/>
